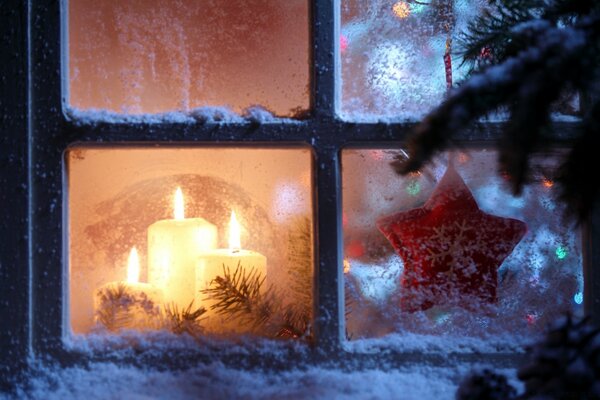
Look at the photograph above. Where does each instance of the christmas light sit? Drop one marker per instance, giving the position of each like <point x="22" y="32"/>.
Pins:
<point x="561" y="252"/>
<point x="346" y="266"/>
<point x="578" y="298"/>
<point x="413" y="188"/>
<point x="548" y="183"/>
<point x="401" y="9"/>
<point x="343" y="43"/>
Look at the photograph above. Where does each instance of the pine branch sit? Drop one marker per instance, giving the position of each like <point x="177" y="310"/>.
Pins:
<point x="186" y="320"/>
<point x="118" y="307"/>
<point x="300" y="264"/>
<point x="544" y="51"/>
<point x="238" y="295"/>
<point x="112" y="312"/>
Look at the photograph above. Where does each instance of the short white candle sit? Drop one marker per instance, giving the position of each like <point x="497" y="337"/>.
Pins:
<point x="211" y="262"/>
<point x="173" y="249"/>
<point x="132" y="304"/>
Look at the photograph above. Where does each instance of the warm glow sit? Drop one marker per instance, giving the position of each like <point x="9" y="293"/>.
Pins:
<point x="234" y="233"/>
<point x="178" y="208"/>
<point x="401" y="9"/>
<point x="548" y="183"/>
<point x="346" y="266"/>
<point x="133" y="266"/>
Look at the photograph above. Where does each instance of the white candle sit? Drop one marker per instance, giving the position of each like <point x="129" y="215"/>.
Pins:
<point x="211" y="262"/>
<point x="128" y="304"/>
<point x="173" y="249"/>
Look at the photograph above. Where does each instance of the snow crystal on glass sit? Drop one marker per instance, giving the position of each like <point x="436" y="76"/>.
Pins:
<point x="138" y="57"/>
<point x="539" y="281"/>
<point x="392" y="55"/>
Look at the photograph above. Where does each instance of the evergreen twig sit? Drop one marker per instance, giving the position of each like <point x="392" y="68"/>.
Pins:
<point x="119" y="308"/>
<point x="300" y="265"/>
<point x="185" y="320"/>
<point x="238" y="295"/>
<point x="534" y="52"/>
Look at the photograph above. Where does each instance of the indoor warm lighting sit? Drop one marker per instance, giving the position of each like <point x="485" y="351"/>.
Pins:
<point x="234" y="234"/>
<point x="178" y="208"/>
<point x="133" y="266"/>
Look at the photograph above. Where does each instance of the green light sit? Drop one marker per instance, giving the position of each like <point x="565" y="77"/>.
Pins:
<point x="561" y="252"/>
<point x="413" y="188"/>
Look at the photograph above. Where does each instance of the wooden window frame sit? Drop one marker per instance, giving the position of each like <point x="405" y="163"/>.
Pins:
<point x="32" y="294"/>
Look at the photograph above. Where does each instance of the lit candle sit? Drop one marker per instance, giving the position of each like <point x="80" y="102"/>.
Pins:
<point x="128" y="304"/>
<point x="211" y="262"/>
<point x="173" y="249"/>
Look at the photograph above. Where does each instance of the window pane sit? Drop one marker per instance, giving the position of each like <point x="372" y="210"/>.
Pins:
<point x="449" y="251"/>
<point x="140" y="56"/>
<point x="121" y="198"/>
<point x="398" y="58"/>
<point x="393" y="55"/>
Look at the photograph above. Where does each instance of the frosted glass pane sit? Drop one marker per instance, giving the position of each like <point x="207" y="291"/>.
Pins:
<point x="425" y="257"/>
<point x="120" y="198"/>
<point x="141" y="56"/>
<point x="393" y="55"/>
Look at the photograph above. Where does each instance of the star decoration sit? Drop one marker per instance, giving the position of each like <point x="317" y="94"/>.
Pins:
<point x="451" y="249"/>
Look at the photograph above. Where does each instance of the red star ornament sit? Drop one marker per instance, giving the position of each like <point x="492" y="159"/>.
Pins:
<point x="450" y="248"/>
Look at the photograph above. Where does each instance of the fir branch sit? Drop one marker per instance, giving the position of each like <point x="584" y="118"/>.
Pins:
<point x="112" y="312"/>
<point x="543" y="49"/>
<point x="295" y="324"/>
<point x="238" y="294"/>
<point x="300" y="264"/>
<point x="119" y="307"/>
<point x="186" y="320"/>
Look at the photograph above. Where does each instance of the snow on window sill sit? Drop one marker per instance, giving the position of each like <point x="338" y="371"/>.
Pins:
<point x="421" y="343"/>
<point x="131" y="343"/>
<point x="202" y="115"/>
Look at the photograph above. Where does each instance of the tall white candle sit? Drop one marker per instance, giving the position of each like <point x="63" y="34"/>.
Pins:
<point x="211" y="262"/>
<point x="173" y="249"/>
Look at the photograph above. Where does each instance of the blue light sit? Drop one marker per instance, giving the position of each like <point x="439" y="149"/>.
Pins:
<point x="578" y="298"/>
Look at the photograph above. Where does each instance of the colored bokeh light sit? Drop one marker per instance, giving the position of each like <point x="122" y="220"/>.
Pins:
<point x="578" y="298"/>
<point x="548" y="183"/>
<point x="343" y="43"/>
<point x="413" y="188"/>
<point x="561" y="252"/>
<point x="401" y="9"/>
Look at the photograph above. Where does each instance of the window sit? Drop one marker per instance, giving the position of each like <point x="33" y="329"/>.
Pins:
<point x="449" y="253"/>
<point x="323" y="142"/>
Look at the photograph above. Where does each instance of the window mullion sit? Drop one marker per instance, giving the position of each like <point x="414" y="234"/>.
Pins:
<point x="324" y="24"/>
<point x="328" y="280"/>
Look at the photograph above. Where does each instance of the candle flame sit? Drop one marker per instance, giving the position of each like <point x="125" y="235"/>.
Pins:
<point x="133" y="266"/>
<point x="178" y="206"/>
<point x="234" y="234"/>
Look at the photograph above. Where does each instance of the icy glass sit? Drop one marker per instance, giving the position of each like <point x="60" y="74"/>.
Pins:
<point x="397" y="55"/>
<point x="140" y="56"/>
<point x="417" y="255"/>
<point x="121" y="198"/>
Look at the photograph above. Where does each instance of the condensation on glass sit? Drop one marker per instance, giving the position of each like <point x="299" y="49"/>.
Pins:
<point x="139" y="56"/>
<point x="151" y="229"/>
<point x="539" y="280"/>
<point x="399" y="58"/>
